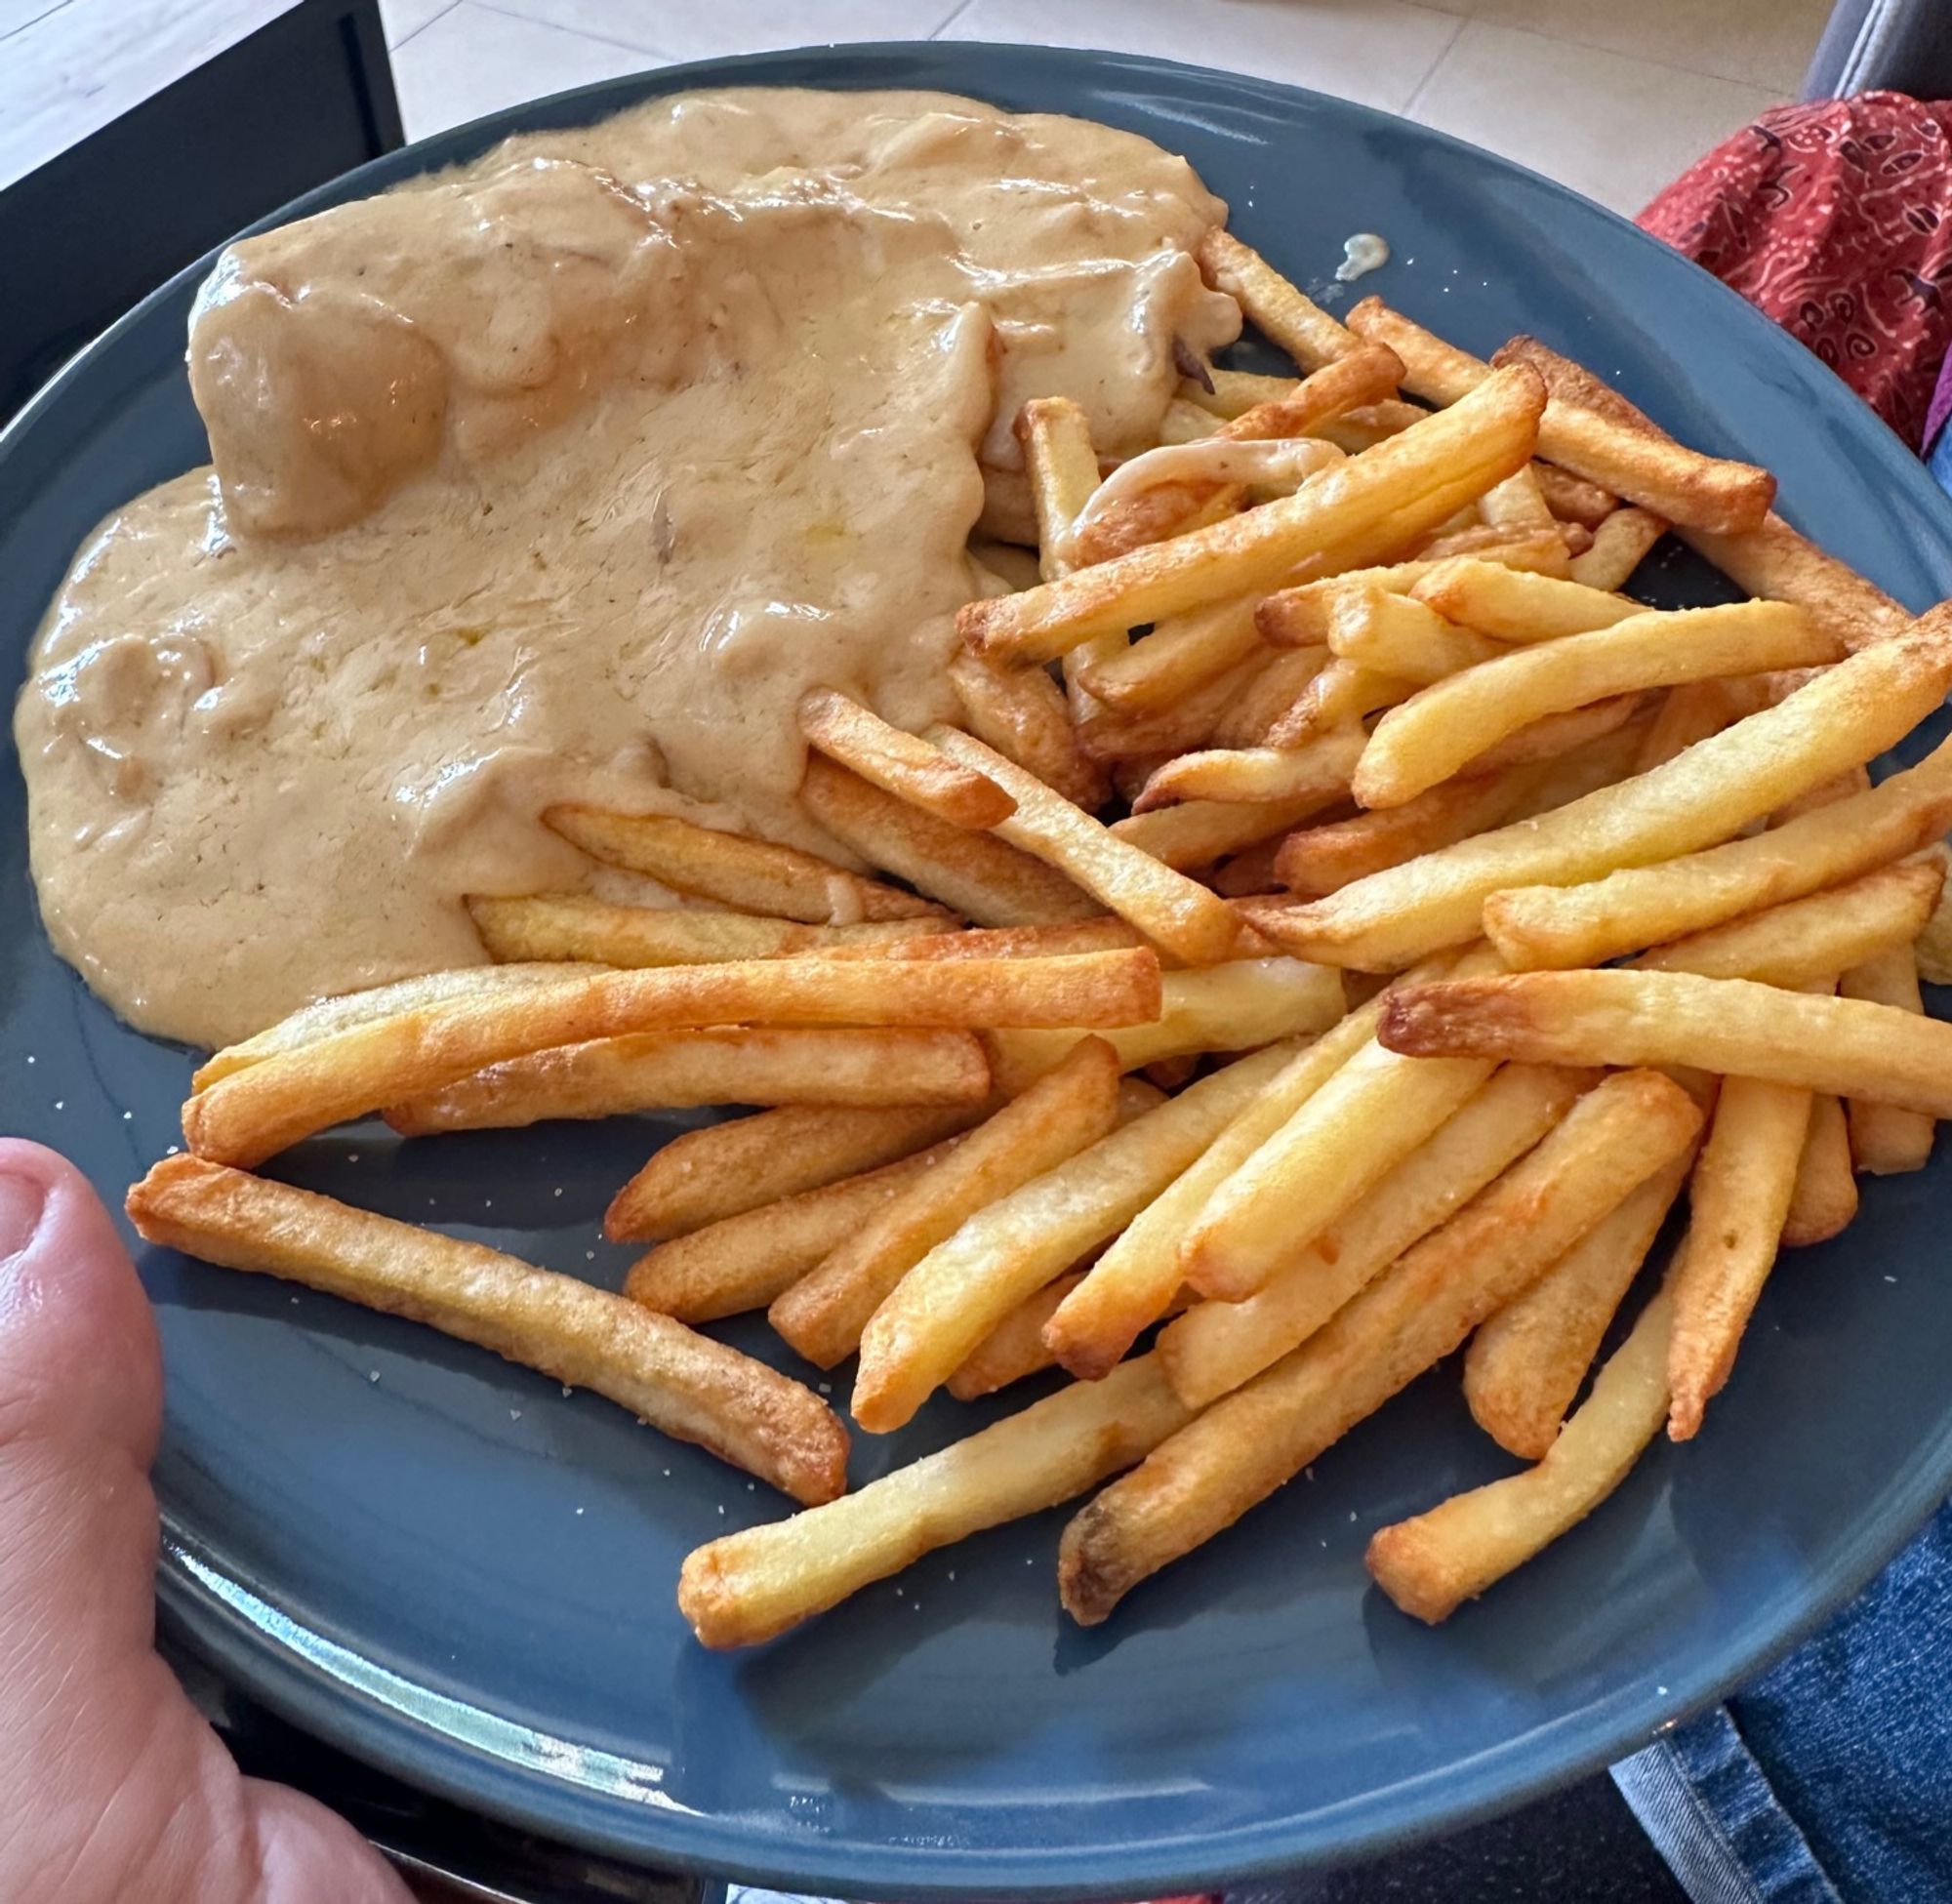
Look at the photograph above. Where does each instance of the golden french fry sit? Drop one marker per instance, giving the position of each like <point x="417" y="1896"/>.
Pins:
<point x="1274" y="691"/>
<point x="1740" y="1198"/>
<point x="1360" y="377"/>
<point x="1552" y="737"/>
<point x="1849" y="1047"/>
<point x="1876" y="914"/>
<point x="1846" y="785"/>
<point x="747" y="1587"/>
<point x="1466" y="536"/>
<point x="1197" y="833"/>
<point x="1104" y="933"/>
<point x="1324" y="859"/>
<point x="1643" y="904"/>
<point x="1848" y="715"/>
<point x="1062" y="470"/>
<point x="1233" y="392"/>
<point x="899" y="763"/>
<point x="1231" y="1007"/>
<point x="725" y="1169"/>
<point x="1249" y="873"/>
<point x="1773" y="561"/>
<point x="1138" y="1275"/>
<point x="1055" y="435"/>
<point x="1348" y="515"/>
<point x="575" y="927"/>
<point x="1169" y="909"/>
<point x="752" y="875"/>
<point x="1402" y="635"/>
<point x="978" y="875"/>
<point x="1443" y="727"/>
<point x="669" y="1070"/>
<point x="1180" y="657"/>
<point x="965" y="1288"/>
<point x="1318" y="769"/>
<point x="1343" y="691"/>
<point x="743" y="1262"/>
<point x="1070" y="1107"/>
<point x="690" y="1386"/>
<point x="1826" y="1197"/>
<point x="1132" y="734"/>
<point x="1170" y="1075"/>
<point x="1364" y="427"/>
<point x="1217" y="1346"/>
<point x="1573" y="499"/>
<point x="328" y="1015"/>
<point x="1430" y="1565"/>
<point x="1436" y="370"/>
<point x="1526" y="1363"/>
<point x="1272" y="305"/>
<point x="1588" y="427"/>
<point x="1886" y="1140"/>
<point x="1934" y="944"/>
<point x="1297" y="617"/>
<point x="1689" y="714"/>
<point x="1022" y="712"/>
<point x="1015" y="1348"/>
<point x="255" y="1114"/>
<point x="1366" y="375"/>
<point x="1517" y="505"/>
<point x="1517" y="604"/>
<point x="1593" y="430"/>
<point x="1620" y="545"/>
<point x="1186" y="422"/>
<point x="1180" y="485"/>
<point x="1361" y="1122"/>
<point x="1247" y="1444"/>
<point x="1601" y="760"/>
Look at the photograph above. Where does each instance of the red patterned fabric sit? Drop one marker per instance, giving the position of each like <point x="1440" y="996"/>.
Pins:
<point x="1835" y="219"/>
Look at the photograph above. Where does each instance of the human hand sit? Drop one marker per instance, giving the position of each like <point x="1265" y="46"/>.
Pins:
<point x="112" y="1789"/>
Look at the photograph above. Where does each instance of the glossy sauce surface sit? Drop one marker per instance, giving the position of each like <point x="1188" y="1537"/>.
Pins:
<point x="561" y="476"/>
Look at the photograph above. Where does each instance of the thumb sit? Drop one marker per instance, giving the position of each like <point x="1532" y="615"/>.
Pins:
<point x="78" y="1361"/>
<point x="80" y="1410"/>
<point x="112" y="1786"/>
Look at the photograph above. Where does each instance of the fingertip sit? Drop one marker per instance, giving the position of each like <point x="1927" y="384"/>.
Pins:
<point x="309" y="1854"/>
<point x="76" y="1329"/>
<point x="29" y="1174"/>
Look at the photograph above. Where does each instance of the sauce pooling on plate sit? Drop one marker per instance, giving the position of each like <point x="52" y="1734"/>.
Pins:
<point x="560" y="477"/>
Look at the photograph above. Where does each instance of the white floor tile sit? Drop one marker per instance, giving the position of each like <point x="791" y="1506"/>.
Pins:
<point x="16" y="13"/>
<point x="682" y="31"/>
<point x="1613" y="128"/>
<point x="473" y="59"/>
<point x="1764" y="42"/>
<point x="1375" y="51"/>
<point x="404" y="18"/>
<point x="66" y="73"/>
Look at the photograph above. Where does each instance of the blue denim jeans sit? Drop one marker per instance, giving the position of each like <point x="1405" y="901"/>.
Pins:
<point x="1830" y="1777"/>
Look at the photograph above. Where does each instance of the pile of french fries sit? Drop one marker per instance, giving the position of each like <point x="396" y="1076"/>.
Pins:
<point x="1342" y="928"/>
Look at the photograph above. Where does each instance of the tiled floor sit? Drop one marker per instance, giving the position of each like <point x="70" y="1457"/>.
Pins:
<point x="1613" y="97"/>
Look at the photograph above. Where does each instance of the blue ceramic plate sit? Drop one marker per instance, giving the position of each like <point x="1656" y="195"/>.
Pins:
<point x="460" y="1573"/>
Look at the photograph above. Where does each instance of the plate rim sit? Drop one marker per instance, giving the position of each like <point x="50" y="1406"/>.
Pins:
<point x="278" y="1673"/>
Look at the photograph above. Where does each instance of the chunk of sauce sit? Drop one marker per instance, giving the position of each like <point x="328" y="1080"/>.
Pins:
<point x="1362" y="254"/>
<point x="560" y="477"/>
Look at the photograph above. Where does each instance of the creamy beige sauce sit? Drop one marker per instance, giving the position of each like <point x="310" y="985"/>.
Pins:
<point x="562" y="477"/>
